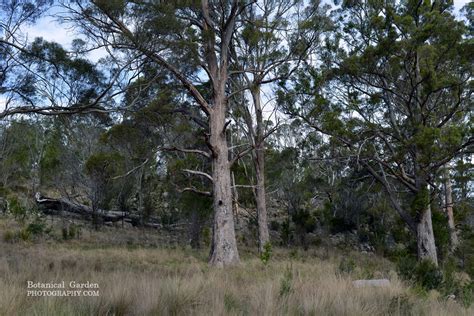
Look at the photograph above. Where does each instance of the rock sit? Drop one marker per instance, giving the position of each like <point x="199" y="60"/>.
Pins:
<point x="372" y="283"/>
<point x="366" y="248"/>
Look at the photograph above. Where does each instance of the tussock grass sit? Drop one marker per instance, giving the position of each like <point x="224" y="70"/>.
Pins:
<point x="165" y="281"/>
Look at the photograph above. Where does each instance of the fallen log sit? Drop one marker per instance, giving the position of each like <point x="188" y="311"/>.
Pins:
<point x="56" y="206"/>
<point x="64" y="206"/>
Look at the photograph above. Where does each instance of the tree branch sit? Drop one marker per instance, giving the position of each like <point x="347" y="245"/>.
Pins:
<point x="190" y="151"/>
<point x="199" y="173"/>
<point x="190" y="189"/>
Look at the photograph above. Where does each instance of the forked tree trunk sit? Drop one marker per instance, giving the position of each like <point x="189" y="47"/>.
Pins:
<point x="224" y="246"/>
<point x="449" y="210"/>
<point x="259" y="163"/>
<point x="425" y="237"/>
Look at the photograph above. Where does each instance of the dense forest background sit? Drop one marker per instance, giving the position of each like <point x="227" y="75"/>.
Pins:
<point x="252" y="123"/>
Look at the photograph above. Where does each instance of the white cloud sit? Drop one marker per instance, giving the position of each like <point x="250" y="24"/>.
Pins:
<point x="50" y="30"/>
<point x="458" y="4"/>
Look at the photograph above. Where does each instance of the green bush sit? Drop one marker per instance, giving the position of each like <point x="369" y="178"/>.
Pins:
<point x="286" y="282"/>
<point x="36" y="228"/>
<point x="428" y="275"/>
<point x="346" y="266"/>
<point x="285" y="232"/>
<point x="266" y="253"/>
<point x="457" y="284"/>
<point x="441" y="233"/>
<point x="465" y="294"/>
<point x="65" y="233"/>
<point x="24" y="234"/>
<point x="73" y="232"/>
<point x="275" y="226"/>
<point x="406" y="266"/>
<point x="70" y="232"/>
<point x="17" y="208"/>
<point x="424" y="273"/>
<point x="465" y="251"/>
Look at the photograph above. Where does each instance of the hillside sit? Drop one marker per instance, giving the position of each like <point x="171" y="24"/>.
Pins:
<point x="138" y="273"/>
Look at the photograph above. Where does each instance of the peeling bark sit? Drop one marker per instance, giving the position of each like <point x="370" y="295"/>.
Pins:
<point x="449" y="210"/>
<point x="425" y="237"/>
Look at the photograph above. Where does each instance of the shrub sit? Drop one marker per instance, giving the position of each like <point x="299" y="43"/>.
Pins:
<point x="441" y="233"/>
<point x="70" y="232"/>
<point x="74" y="231"/>
<point x="424" y="273"/>
<point x="428" y="275"/>
<point x="266" y="253"/>
<point x="24" y="234"/>
<point x="286" y="282"/>
<point x="286" y="232"/>
<point x="9" y="236"/>
<point x="17" y="208"/>
<point x="406" y="265"/>
<point x="346" y="266"/>
<point x="275" y="225"/>
<point x="36" y="228"/>
<point x="466" y="294"/>
<point x="65" y="233"/>
<point x="457" y="284"/>
<point x="340" y="225"/>
<point x="465" y="251"/>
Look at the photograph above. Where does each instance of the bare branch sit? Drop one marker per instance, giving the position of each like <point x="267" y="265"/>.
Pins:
<point x="199" y="173"/>
<point x="131" y="171"/>
<point x="190" y="151"/>
<point x="190" y="189"/>
<point x="240" y="155"/>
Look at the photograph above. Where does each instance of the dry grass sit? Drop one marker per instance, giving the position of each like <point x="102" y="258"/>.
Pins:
<point x="163" y="281"/>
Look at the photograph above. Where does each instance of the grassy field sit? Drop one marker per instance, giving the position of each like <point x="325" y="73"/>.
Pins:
<point x="170" y="280"/>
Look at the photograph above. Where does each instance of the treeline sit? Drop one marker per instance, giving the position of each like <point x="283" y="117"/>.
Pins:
<point x="299" y="116"/>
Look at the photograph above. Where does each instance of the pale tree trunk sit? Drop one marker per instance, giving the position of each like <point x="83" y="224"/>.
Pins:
<point x="259" y="164"/>
<point x="449" y="210"/>
<point x="224" y="246"/>
<point x="424" y="229"/>
<point x="425" y="237"/>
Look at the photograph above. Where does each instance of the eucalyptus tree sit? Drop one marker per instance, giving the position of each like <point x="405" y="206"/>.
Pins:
<point x="397" y="92"/>
<point x="273" y="38"/>
<point x="190" y="40"/>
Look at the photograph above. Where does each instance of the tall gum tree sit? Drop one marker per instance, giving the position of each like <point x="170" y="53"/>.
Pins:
<point x="190" y="40"/>
<point x="396" y="89"/>
<point x="271" y="43"/>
